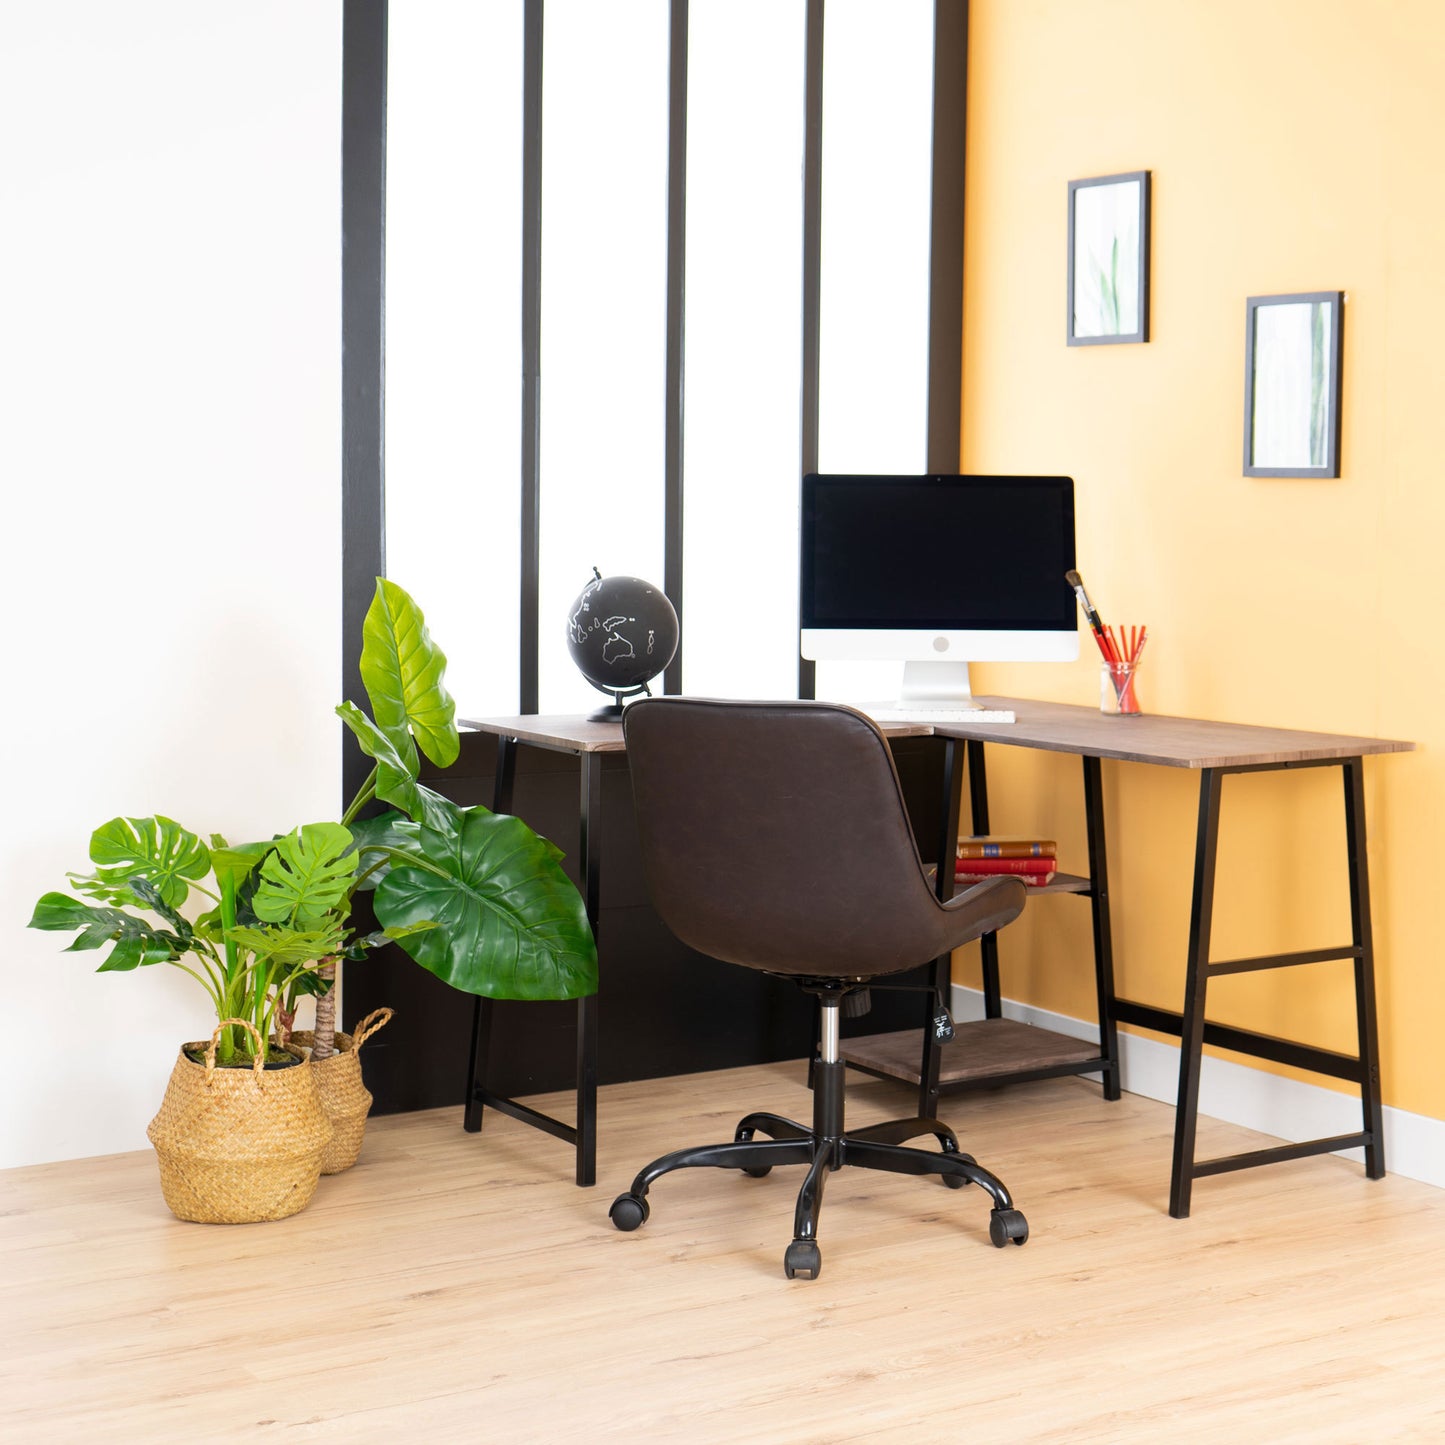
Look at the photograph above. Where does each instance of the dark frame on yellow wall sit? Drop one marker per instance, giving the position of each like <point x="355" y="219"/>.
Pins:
<point x="1293" y="349"/>
<point x="1109" y="259"/>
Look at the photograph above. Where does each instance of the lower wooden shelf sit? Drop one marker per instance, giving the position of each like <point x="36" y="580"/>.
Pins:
<point x="981" y="1051"/>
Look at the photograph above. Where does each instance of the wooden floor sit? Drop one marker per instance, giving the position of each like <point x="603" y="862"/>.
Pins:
<point x="454" y="1287"/>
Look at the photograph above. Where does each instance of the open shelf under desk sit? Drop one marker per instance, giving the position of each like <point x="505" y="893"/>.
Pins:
<point x="982" y="1051"/>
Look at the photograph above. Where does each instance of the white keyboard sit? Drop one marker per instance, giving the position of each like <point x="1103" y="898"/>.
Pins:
<point x="943" y="714"/>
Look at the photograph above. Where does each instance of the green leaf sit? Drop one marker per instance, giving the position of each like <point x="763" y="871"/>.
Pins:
<point x="394" y="756"/>
<point x="426" y="807"/>
<point x="396" y="764"/>
<point x="136" y="941"/>
<point x="309" y="983"/>
<point x="58" y="912"/>
<point x="238" y="863"/>
<point x="402" y="670"/>
<point x="308" y="874"/>
<point x="132" y="953"/>
<point x="157" y="849"/>
<point x="510" y="924"/>
<point x="374" y="837"/>
<point x="287" y="946"/>
<point x="149" y="895"/>
<point x="395" y="784"/>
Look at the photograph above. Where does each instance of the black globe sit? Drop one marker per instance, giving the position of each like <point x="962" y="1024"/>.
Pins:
<point x="621" y="633"/>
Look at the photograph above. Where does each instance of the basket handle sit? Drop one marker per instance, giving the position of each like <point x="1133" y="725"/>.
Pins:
<point x="374" y="1022"/>
<point x="260" y="1061"/>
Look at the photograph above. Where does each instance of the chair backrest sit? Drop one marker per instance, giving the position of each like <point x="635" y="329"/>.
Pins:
<point x="775" y="835"/>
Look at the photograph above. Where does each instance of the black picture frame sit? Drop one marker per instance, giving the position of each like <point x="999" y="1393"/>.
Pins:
<point x="1293" y="356"/>
<point x="1108" y="263"/>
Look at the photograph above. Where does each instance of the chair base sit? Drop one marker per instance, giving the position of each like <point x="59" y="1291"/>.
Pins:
<point x="826" y="1148"/>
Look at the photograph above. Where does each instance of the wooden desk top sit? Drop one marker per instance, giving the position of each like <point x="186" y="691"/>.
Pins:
<point x="1175" y="742"/>
<point x="574" y="733"/>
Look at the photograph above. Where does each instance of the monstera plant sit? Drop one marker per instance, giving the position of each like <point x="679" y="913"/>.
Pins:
<point x="476" y="897"/>
<point x="278" y="912"/>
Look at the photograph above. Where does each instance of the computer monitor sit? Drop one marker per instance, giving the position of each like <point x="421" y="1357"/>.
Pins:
<point x="936" y="572"/>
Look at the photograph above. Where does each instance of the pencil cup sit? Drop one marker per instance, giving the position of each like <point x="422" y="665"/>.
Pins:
<point x="1117" y="696"/>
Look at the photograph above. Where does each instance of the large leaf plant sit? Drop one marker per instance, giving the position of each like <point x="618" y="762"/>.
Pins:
<point x="477" y="898"/>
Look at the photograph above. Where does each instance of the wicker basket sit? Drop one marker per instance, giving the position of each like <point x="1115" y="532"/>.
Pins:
<point x="343" y="1094"/>
<point x="237" y="1146"/>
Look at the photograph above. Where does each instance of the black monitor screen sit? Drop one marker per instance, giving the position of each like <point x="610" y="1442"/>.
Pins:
<point x="944" y="552"/>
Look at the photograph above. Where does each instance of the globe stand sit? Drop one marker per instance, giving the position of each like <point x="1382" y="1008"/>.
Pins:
<point x="612" y="712"/>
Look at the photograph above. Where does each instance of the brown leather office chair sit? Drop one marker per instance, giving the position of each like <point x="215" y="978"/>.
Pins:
<point x="774" y="835"/>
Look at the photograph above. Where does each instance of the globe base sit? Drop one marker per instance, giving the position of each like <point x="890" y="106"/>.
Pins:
<point x="611" y="713"/>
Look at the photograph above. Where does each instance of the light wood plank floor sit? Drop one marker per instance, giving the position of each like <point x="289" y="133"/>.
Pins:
<point x="461" y="1288"/>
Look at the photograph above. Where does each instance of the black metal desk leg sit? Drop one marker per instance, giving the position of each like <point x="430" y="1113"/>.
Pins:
<point x="1191" y="1041"/>
<point x="590" y="804"/>
<point x="978" y="823"/>
<point x="1103" y="931"/>
<point x="1369" y="1043"/>
<point x="942" y="975"/>
<point x="477" y="1069"/>
<point x="482" y="1009"/>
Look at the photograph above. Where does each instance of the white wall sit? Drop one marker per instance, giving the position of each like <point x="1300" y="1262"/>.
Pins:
<point x="169" y="491"/>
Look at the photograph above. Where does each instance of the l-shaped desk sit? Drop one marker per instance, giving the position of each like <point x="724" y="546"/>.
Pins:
<point x="988" y="1049"/>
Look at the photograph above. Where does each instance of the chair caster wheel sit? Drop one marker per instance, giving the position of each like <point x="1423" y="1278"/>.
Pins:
<point x="629" y="1212"/>
<point x="1005" y="1225"/>
<point x="803" y="1257"/>
<point x="757" y="1171"/>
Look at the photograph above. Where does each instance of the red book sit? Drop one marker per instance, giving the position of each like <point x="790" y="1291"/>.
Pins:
<point x="1005" y="865"/>
<point x="1029" y="880"/>
<point x="1004" y="846"/>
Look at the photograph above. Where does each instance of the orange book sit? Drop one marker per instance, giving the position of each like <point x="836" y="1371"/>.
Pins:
<point x="1004" y="846"/>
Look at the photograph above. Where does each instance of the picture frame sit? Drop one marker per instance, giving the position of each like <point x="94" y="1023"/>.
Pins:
<point x="1293" y="353"/>
<point x="1108" y="300"/>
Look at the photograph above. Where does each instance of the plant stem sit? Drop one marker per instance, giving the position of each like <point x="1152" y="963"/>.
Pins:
<point x="229" y="1042"/>
<point x="364" y="795"/>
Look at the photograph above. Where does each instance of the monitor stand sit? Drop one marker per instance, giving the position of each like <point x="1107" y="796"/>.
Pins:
<point x="935" y="685"/>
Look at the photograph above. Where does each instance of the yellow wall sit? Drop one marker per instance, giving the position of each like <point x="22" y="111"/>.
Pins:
<point x="1294" y="146"/>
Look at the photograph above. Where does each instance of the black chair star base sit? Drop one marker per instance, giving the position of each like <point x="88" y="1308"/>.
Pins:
<point x="774" y="836"/>
<point x="825" y="1148"/>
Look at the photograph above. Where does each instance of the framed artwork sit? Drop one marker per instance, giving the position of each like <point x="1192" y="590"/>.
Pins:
<point x="1293" y="346"/>
<point x="1109" y="260"/>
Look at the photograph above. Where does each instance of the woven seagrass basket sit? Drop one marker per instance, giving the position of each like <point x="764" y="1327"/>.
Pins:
<point x="343" y="1094"/>
<point x="238" y="1146"/>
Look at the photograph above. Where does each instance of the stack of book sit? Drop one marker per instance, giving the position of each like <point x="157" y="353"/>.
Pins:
<point x="1031" y="860"/>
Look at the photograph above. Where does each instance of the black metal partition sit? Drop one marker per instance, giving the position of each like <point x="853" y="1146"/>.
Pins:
<point x="418" y="1061"/>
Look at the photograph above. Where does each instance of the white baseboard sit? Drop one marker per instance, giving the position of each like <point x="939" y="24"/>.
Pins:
<point x="1285" y="1108"/>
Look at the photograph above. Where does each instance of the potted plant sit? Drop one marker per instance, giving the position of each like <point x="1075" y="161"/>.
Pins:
<point x="476" y="897"/>
<point x="232" y="1147"/>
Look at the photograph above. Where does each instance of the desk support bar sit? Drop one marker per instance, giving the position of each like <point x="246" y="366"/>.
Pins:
<point x="1245" y="1041"/>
